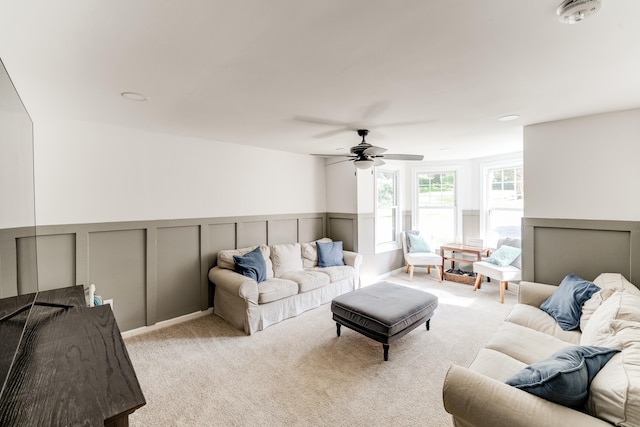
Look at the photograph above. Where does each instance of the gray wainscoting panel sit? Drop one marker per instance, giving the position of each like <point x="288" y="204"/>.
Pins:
<point x="553" y="248"/>
<point x="56" y="261"/>
<point x="252" y="233"/>
<point x="27" y="275"/>
<point x="343" y="227"/>
<point x="221" y="237"/>
<point x="310" y="229"/>
<point x="282" y="231"/>
<point x="178" y="266"/>
<point x="117" y="266"/>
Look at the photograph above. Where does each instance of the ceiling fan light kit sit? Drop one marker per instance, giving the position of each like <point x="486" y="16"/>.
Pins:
<point x="574" y="11"/>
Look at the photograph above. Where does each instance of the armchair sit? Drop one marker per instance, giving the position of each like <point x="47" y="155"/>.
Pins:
<point x="421" y="259"/>
<point x="503" y="274"/>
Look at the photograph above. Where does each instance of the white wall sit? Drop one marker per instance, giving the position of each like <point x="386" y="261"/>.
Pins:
<point x="16" y="171"/>
<point x="583" y="168"/>
<point x="341" y="187"/>
<point x="89" y="172"/>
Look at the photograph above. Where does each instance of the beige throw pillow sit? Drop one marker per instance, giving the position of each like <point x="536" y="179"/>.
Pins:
<point x="286" y="258"/>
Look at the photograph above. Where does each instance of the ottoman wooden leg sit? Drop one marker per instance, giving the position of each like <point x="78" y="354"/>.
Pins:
<point x="385" y="349"/>
<point x="338" y="328"/>
<point x="428" y="321"/>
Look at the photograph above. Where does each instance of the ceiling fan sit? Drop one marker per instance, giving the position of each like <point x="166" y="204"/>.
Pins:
<point x="365" y="155"/>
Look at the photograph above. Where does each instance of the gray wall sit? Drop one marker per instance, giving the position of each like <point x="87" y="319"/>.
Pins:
<point x="153" y="270"/>
<point x="553" y="248"/>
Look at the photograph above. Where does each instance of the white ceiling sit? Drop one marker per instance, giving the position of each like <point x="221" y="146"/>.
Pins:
<point x="258" y="72"/>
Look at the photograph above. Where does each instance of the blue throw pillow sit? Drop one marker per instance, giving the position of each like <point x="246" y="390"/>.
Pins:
<point x="504" y="255"/>
<point x="565" y="304"/>
<point x="329" y="254"/>
<point x="565" y="377"/>
<point x="418" y="244"/>
<point x="251" y="265"/>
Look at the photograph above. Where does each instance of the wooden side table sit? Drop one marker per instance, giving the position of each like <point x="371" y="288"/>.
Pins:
<point x="459" y="248"/>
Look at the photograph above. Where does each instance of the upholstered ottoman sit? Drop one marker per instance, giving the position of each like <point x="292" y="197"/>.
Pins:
<point x="384" y="311"/>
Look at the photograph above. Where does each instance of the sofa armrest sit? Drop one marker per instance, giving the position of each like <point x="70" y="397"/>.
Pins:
<point x="234" y="283"/>
<point x="477" y="400"/>
<point x="534" y="294"/>
<point x="353" y="259"/>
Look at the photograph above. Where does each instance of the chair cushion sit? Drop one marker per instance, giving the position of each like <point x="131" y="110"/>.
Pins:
<point x="419" y="258"/>
<point x="504" y="255"/>
<point x="503" y="274"/>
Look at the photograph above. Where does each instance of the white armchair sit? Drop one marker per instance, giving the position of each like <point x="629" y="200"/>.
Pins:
<point x="503" y="274"/>
<point x="420" y="259"/>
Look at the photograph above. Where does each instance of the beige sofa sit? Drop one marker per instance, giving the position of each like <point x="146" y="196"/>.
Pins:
<point x="294" y="284"/>
<point x="478" y="395"/>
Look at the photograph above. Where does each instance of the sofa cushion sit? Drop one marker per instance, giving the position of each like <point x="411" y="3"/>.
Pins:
<point x="503" y="256"/>
<point x="307" y="280"/>
<point x="608" y="283"/>
<point x="225" y="258"/>
<point x="330" y="254"/>
<point x="337" y="273"/>
<point x="251" y="265"/>
<point x="564" y="377"/>
<point x="274" y="289"/>
<point x="619" y="306"/>
<point x="286" y="258"/>
<point x="496" y="365"/>
<point x="565" y="304"/>
<point x="524" y="344"/>
<point x="310" y="252"/>
<point x="615" y="392"/>
<point x="536" y="319"/>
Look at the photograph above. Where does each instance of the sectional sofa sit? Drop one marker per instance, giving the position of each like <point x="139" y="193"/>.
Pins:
<point x="478" y="395"/>
<point x="295" y="281"/>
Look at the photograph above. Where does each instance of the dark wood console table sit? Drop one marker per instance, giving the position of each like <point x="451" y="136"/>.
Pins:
<point x="72" y="367"/>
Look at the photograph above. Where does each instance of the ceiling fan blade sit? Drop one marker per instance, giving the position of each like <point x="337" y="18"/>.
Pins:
<point x="374" y="151"/>
<point x="403" y="156"/>
<point x="333" y="155"/>
<point x="378" y="162"/>
<point x="332" y="132"/>
<point x="410" y="123"/>
<point x="374" y="110"/>
<point x="318" y="121"/>
<point x="340" y="161"/>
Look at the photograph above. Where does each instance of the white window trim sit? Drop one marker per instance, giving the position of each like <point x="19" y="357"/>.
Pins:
<point x="484" y="178"/>
<point x="414" y="194"/>
<point x="388" y="246"/>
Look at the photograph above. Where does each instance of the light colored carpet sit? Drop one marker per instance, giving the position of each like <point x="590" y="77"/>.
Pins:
<point x="299" y="373"/>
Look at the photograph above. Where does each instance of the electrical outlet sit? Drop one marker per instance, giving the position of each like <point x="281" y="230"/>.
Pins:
<point x="108" y="301"/>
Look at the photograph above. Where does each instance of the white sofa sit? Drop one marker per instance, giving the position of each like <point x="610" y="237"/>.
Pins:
<point x="294" y="284"/>
<point x="479" y="396"/>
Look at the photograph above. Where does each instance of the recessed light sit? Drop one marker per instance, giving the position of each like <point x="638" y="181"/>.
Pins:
<point x="134" y="96"/>
<point x="509" y="117"/>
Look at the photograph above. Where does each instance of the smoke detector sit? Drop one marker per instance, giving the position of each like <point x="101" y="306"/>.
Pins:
<point x="573" y="11"/>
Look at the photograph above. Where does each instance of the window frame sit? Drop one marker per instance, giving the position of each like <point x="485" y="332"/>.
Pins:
<point x="396" y="243"/>
<point x="457" y="211"/>
<point x="487" y="170"/>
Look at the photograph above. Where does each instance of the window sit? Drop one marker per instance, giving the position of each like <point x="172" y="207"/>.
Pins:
<point x="436" y="206"/>
<point x="386" y="216"/>
<point x="504" y="203"/>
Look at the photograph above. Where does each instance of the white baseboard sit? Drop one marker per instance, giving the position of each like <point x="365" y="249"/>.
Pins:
<point x="165" y="323"/>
